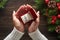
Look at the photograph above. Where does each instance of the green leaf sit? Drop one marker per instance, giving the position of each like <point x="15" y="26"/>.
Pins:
<point x="52" y="12"/>
<point x="4" y="0"/>
<point x="2" y="3"/>
<point x="51" y="28"/>
<point x="43" y="12"/>
<point x="57" y="0"/>
<point x="49" y="20"/>
<point x="58" y="21"/>
<point x="40" y="5"/>
<point x="39" y="1"/>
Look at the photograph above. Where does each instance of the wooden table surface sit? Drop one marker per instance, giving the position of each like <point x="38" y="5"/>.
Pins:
<point x="6" y="24"/>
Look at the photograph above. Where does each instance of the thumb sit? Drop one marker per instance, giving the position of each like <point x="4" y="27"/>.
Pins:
<point x="14" y="13"/>
<point x="38" y="17"/>
<point x="15" y="19"/>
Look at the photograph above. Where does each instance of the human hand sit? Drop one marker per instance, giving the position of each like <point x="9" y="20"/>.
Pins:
<point x="18" y="24"/>
<point x="34" y="25"/>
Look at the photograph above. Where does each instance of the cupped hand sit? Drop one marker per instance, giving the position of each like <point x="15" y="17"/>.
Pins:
<point x="34" y="25"/>
<point x="18" y="24"/>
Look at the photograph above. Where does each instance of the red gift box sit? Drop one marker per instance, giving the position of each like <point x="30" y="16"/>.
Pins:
<point x="26" y="14"/>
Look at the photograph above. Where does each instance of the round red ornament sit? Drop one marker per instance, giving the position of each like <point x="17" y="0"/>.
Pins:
<point x="54" y="18"/>
<point x="46" y="1"/>
<point x="26" y="14"/>
<point x="59" y="7"/>
<point x="58" y="16"/>
<point x="58" y="4"/>
<point x="52" y="22"/>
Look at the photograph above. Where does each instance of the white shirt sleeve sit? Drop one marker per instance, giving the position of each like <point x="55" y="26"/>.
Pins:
<point x="37" y="35"/>
<point x="14" y="35"/>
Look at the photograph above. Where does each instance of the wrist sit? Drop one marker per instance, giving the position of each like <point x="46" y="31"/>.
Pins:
<point x="32" y="32"/>
<point x="19" y="30"/>
<point x="37" y="35"/>
<point x="14" y="35"/>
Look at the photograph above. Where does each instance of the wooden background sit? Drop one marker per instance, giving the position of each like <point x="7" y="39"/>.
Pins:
<point x="6" y="24"/>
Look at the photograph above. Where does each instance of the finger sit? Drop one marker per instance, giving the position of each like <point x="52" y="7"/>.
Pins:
<point x="37" y="20"/>
<point x="14" y="15"/>
<point x="38" y="14"/>
<point x="38" y="17"/>
<point x="31" y="7"/>
<point x="16" y="20"/>
<point x="34" y="10"/>
<point x="35" y="23"/>
<point x="32" y="25"/>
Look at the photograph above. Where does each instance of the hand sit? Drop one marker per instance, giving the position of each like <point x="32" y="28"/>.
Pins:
<point x="34" y="25"/>
<point x="18" y="24"/>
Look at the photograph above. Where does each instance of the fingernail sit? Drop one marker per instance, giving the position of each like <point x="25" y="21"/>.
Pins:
<point x="24" y="4"/>
<point x="13" y="11"/>
<point x="27" y="4"/>
<point x="38" y="12"/>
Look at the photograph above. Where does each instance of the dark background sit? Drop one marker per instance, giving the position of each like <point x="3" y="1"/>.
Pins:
<point x="6" y="24"/>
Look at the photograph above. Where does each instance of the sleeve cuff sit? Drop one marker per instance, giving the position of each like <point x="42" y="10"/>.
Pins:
<point x="37" y="35"/>
<point x="14" y="35"/>
<point x="15" y="30"/>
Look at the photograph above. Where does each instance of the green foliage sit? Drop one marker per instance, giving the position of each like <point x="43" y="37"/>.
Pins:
<point x="43" y="7"/>
<point x="58" y="21"/>
<point x="51" y="28"/>
<point x="52" y="12"/>
<point x="2" y="3"/>
<point x="49" y="20"/>
<point x="40" y="4"/>
<point x="57" y="0"/>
